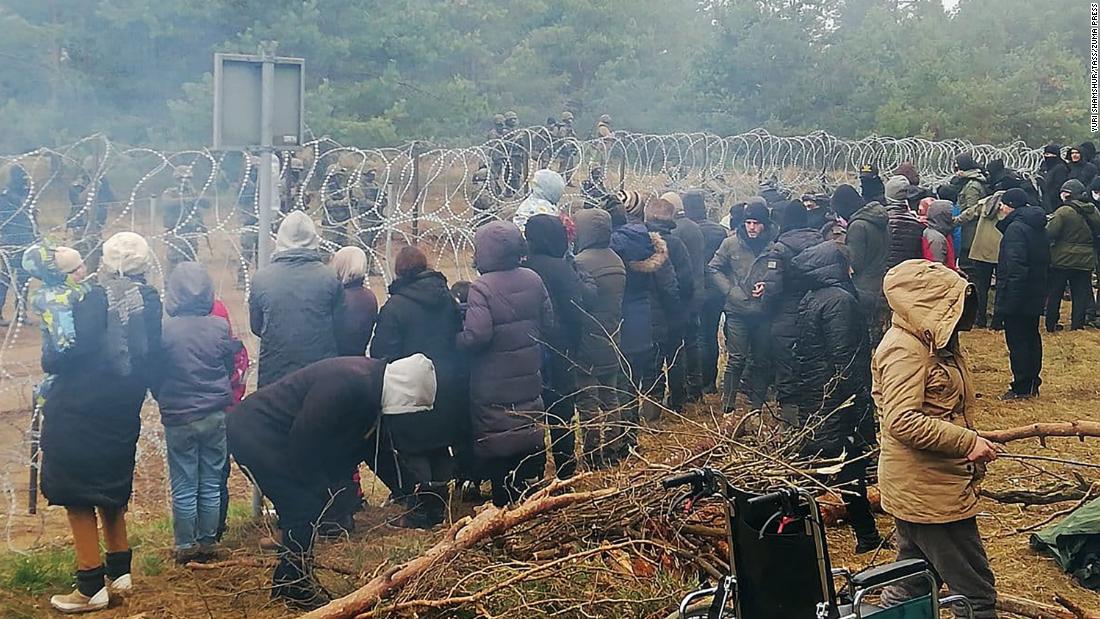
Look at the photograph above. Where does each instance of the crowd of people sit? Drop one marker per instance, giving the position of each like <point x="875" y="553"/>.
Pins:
<point x="582" y="326"/>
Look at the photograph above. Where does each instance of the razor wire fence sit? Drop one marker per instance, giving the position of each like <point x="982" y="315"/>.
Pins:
<point x="203" y="205"/>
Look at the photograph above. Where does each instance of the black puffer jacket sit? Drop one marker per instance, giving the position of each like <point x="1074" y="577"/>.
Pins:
<point x="1053" y="173"/>
<point x="547" y="243"/>
<point x="421" y="316"/>
<point x="906" y="233"/>
<point x="597" y="351"/>
<point x="783" y="286"/>
<point x="833" y="351"/>
<point x="507" y="313"/>
<point x="691" y="235"/>
<point x="1022" y="262"/>
<point x="672" y="322"/>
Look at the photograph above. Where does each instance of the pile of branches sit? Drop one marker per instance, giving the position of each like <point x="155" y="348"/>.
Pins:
<point x="612" y="544"/>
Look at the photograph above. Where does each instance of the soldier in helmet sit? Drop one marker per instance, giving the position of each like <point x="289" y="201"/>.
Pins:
<point x="341" y="197"/>
<point x="482" y="200"/>
<point x="183" y="222"/>
<point x="565" y="142"/>
<point x="371" y="212"/>
<point x="88" y="202"/>
<point x="293" y="188"/>
<point x="542" y="143"/>
<point x="497" y="153"/>
<point x="517" y="154"/>
<point x="606" y="136"/>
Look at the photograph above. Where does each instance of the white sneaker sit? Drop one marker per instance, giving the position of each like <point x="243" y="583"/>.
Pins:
<point x="122" y="584"/>
<point x="77" y="602"/>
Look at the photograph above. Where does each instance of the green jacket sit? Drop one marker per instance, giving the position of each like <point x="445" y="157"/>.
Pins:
<point x="986" y="243"/>
<point x="971" y="192"/>
<point x="730" y="266"/>
<point x="1070" y="231"/>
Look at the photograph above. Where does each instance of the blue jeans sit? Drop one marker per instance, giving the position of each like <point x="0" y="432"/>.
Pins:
<point x="196" y="464"/>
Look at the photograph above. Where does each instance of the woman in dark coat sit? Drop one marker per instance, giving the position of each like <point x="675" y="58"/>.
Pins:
<point x="355" y="317"/>
<point x="834" y="360"/>
<point x="507" y="313"/>
<point x="91" y="416"/>
<point x="421" y="316"/>
<point x="547" y="244"/>
<point x="298" y="438"/>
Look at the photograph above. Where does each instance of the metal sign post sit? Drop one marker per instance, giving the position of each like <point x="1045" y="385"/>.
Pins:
<point x="258" y="106"/>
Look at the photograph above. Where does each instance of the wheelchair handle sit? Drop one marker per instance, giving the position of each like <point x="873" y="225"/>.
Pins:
<point x="682" y="479"/>
<point x="772" y="497"/>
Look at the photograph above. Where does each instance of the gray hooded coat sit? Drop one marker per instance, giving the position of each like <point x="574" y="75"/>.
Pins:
<point x="293" y="301"/>
<point x="198" y="350"/>
<point x="598" y="350"/>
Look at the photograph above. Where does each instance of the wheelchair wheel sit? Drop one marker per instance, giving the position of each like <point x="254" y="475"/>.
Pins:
<point x="697" y="610"/>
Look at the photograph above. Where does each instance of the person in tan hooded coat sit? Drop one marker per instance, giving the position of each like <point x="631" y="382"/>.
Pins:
<point x="932" y="459"/>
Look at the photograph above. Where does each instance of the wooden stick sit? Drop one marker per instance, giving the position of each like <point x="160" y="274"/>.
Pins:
<point x="1034" y="610"/>
<point x="1080" y="429"/>
<point x="462" y="535"/>
<point x="1085" y="499"/>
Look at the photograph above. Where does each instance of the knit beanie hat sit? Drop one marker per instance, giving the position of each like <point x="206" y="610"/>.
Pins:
<point x="1075" y="188"/>
<point x="126" y="253"/>
<point x="965" y="161"/>
<point x="67" y="259"/>
<point x="695" y="206"/>
<point x="1053" y="149"/>
<point x="673" y="198"/>
<point x="791" y="215"/>
<point x="846" y="201"/>
<point x="755" y="209"/>
<point x="1015" y="197"/>
<point x="909" y="171"/>
<point x="632" y="203"/>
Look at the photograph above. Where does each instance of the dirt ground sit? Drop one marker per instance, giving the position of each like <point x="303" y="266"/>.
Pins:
<point x="167" y="591"/>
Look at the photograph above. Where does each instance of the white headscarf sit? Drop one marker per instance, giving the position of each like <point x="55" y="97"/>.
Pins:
<point x="409" y="386"/>
<point x="126" y="253"/>
<point x="297" y="232"/>
<point x="350" y="264"/>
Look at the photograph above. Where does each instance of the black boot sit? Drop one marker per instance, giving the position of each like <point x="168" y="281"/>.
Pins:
<point x="863" y="524"/>
<point x="437" y="499"/>
<point x="293" y="583"/>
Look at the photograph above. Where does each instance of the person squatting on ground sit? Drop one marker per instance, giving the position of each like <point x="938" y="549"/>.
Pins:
<point x="1022" y="265"/>
<point x="192" y="388"/>
<point x="97" y="355"/>
<point x="747" y="326"/>
<point x="571" y="296"/>
<point x="606" y="433"/>
<point x="421" y="316"/>
<point x="931" y="458"/>
<point x="297" y="438"/>
<point x="507" y="312"/>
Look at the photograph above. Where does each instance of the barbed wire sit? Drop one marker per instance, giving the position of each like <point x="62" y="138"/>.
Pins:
<point x="202" y="204"/>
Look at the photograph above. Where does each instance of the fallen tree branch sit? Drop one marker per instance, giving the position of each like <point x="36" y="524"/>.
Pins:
<point x="1074" y="608"/>
<point x="1035" y="610"/>
<point x="1087" y="465"/>
<point x="1080" y="429"/>
<point x="464" y="534"/>
<point x="1065" y="512"/>
<point x="258" y="563"/>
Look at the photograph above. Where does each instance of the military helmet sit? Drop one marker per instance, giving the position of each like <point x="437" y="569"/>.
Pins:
<point x="182" y="172"/>
<point x="498" y="119"/>
<point x="510" y="115"/>
<point x="605" y="119"/>
<point x="567" y="116"/>
<point x="335" y="169"/>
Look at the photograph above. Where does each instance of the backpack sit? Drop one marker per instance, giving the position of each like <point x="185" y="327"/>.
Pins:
<point x="127" y="341"/>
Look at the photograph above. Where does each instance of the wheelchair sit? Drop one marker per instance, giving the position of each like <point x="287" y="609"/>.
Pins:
<point x="780" y="562"/>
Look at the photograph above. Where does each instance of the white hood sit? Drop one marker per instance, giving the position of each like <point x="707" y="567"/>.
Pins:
<point x="409" y="386"/>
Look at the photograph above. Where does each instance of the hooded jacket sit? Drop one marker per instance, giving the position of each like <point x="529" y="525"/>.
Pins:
<point x="783" y="285"/>
<point x="422" y="317"/>
<point x="833" y="353"/>
<point x="869" y="243"/>
<point x="972" y="188"/>
<point x="713" y="232"/>
<point x="293" y="303"/>
<point x="924" y="394"/>
<point x="1022" y="262"/>
<point x="1053" y="173"/>
<point x="670" y="321"/>
<point x="508" y="312"/>
<point x="1082" y="170"/>
<point x="547" y="244"/>
<point x="547" y="187"/>
<point x="1071" y="230"/>
<point x="985" y="237"/>
<point x="651" y="287"/>
<point x="938" y="242"/>
<point x="198" y="350"/>
<point x="597" y="351"/>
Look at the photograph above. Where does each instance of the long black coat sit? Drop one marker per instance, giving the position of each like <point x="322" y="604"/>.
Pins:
<point x="783" y="286"/>
<point x="301" y="435"/>
<point x="672" y="323"/>
<point x="833" y="351"/>
<point x="1022" y="263"/>
<point x="421" y="316"/>
<point x="691" y="235"/>
<point x="91" y="418"/>
<point x="1053" y="173"/>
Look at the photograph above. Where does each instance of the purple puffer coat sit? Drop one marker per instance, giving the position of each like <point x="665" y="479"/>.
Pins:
<point x="507" y="311"/>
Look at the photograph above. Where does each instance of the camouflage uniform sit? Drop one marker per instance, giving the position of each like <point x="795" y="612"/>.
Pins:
<point x="593" y="190"/>
<point x="483" y="203"/>
<point x="341" y="198"/>
<point x="497" y="153"/>
<point x="370" y="215"/>
<point x="517" y="154"/>
<point x="606" y="136"/>
<point x="182" y="206"/>
<point x="564" y="143"/>
<point x="86" y="221"/>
